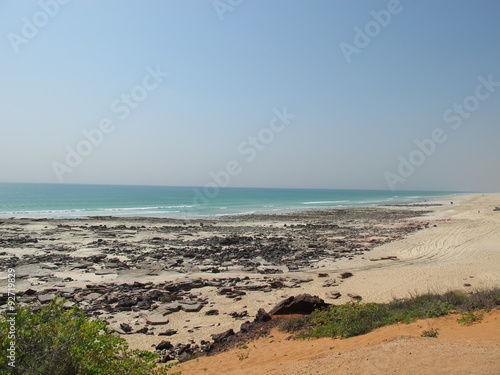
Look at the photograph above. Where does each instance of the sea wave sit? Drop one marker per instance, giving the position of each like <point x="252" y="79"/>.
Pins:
<point x="325" y="202"/>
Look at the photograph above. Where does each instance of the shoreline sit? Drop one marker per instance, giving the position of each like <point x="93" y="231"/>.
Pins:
<point x="191" y="212"/>
<point x="391" y="252"/>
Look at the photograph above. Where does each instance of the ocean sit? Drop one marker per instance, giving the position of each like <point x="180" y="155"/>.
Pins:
<point x="77" y="201"/>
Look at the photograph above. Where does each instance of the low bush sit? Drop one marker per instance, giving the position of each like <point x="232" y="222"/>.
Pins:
<point x="58" y="341"/>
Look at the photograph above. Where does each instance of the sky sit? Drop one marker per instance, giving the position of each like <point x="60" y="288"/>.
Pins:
<point x="400" y="95"/>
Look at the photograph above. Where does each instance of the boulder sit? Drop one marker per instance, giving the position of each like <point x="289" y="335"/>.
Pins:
<point x="164" y="345"/>
<point x="262" y="316"/>
<point x="301" y="304"/>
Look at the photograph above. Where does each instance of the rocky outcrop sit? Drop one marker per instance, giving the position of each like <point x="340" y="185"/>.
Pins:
<point x="302" y="304"/>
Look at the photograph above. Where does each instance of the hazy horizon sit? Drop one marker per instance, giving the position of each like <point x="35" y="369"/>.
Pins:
<point x="286" y="94"/>
<point x="245" y="187"/>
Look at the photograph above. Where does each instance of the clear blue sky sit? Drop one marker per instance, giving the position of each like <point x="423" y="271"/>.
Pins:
<point x="228" y="69"/>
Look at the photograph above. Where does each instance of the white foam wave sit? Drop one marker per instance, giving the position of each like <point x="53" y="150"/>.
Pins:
<point x="324" y="202"/>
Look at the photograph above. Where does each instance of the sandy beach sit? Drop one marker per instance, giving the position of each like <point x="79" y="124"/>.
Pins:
<point x="185" y="280"/>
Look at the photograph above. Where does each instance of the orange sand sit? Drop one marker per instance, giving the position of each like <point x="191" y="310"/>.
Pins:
<point x="395" y="349"/>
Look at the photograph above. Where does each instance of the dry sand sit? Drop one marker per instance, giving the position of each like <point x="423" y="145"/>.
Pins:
<point x="398" y="349"/>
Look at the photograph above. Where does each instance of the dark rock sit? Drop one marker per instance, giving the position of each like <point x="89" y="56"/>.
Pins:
<point x="247" y="326"/>
<point x="222" y="336"/>
<point x="322" y="275"/>
<point x="276" y="284"/>
<point x="164" y="345"/>
<point x="127" y="302"/>
<point x="182" y="348"/>
<point x="125" y="327"/>
<point x="29" y="292"/>
<point x="96" y="258"/>
<point x="262" y="316"/>
<point x="240" y="315"/>
<point x="345" y="275"/>
<point x="301" y="304"/>
<point x="212" y="312"/>
<point x="166" y="358"/>
<point x="142" y="330"/>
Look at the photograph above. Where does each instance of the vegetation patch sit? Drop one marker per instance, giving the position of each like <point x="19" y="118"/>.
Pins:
<point x="354" y="318"/>
<point x="433" y="332"/>
<point x="58" y="341"/>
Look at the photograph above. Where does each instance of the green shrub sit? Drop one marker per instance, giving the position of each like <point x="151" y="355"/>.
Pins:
<point x="433" y="332"/>
<point x="469" y="318"/>
<point x="353" y="319"/>
<point x="57" y="341"/>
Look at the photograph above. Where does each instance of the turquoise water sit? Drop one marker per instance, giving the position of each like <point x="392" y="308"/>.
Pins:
<point x="68" y="201"/>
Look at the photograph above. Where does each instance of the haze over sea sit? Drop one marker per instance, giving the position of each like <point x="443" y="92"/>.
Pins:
<point x="76" y="201"/>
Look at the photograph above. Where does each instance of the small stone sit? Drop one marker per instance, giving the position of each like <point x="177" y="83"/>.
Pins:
<point x="168" y="332"/>
<point x="156" y="323"/>
<point x="212" y="312"/>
